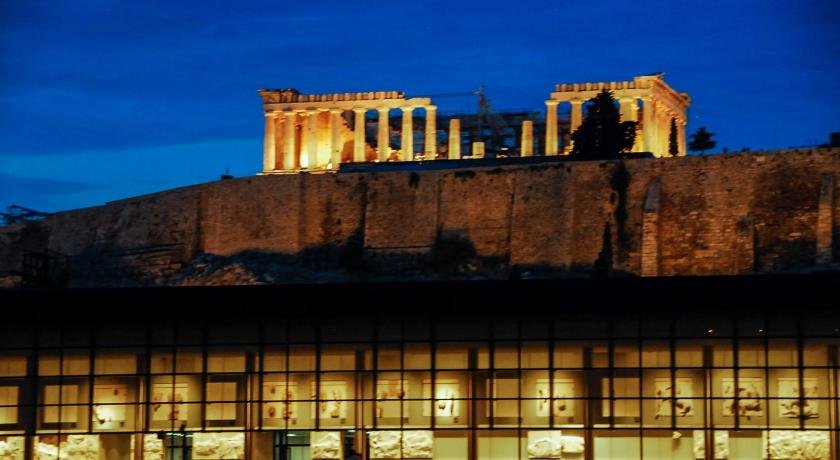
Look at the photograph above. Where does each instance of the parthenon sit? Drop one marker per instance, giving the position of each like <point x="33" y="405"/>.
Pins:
<point x="310" y="131"/>
<point x="321" y="131"/>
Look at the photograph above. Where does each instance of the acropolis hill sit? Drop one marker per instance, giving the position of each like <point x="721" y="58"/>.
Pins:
<point x="306" y="218"/>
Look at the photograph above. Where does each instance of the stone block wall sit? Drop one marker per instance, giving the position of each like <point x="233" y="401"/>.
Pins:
<point x="171" y="217"/>
<point x="722" y="214"/>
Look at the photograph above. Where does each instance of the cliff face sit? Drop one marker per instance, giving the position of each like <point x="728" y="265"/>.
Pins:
<point x="726" y="214"/>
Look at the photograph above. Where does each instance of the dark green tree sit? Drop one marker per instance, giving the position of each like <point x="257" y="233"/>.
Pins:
<point x="602" y="135"/>
<point x="701" y="141"/>
<point x="673" y="148"/>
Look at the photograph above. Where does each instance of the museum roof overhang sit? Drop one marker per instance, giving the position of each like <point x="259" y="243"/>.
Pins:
<point x="802" y="294"/>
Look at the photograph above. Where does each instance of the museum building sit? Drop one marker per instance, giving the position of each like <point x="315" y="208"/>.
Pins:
<point x="628" y="368"/>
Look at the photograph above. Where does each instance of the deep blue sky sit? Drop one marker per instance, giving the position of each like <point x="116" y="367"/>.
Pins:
<point x="107" y="99"/>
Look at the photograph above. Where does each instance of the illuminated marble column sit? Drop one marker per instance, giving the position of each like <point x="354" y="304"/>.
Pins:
<point x="359" y="134"/>
<point x="664" y="127"/>
<point x="279" y="121"/>
<point x="407" y="134"/>
<point x="527" y="143"/>
<point x="454" y="139"/>
<point x="383" y="135"/>
<point x="576" y="116"/>
<point x="630" y="112"/>
<point x="289" y="160"/>
<point x="309" y="157"/>
<point x="323" y="139"/>
<point x="430" y="141"/>
<point x="648" y="130"/>
<point x="629" y="109"/>
<point x="335" y="137"/>
<point x="477" y="150"/>
<point x="269" y="147"/>
<point x="667" y="130"/>
<point x="681" y="136"/>
<point x="659" y="148"/>
<point x="657" y="134"/>
<point x="551" y="127"/>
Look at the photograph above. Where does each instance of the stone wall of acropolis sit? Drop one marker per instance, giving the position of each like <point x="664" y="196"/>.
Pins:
<point x="722" y="214"/>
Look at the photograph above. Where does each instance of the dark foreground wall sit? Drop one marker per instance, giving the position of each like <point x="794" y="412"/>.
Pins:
<point x="725" y="214"/>
<point x="786" y="301"/>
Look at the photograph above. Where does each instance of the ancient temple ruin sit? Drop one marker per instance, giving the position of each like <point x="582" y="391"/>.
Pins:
<point x="660" y="104"/>
<point x="321" y="131"/>
<point x="311" y="131"/>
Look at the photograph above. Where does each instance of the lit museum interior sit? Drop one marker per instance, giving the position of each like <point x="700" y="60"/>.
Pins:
<point x="655" y="376"/>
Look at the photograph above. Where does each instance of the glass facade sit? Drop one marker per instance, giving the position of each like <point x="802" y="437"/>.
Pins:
<point x="628" y="385"/>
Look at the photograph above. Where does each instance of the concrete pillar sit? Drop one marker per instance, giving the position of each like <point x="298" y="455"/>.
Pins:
<point x="430" y="141"/>
<point x="527" y="144"/>
<point x="477" y="150"/>
<point x="383" y="135"/>
<point x="359" y="134"/>
<point x="551" y="127"/>
<point x="269" y="147"/>
<point x="335" y="137"/>
<point x="648" y="130"/>
<point x="454" y="139"/>
<point x="289" y="160"/>
<point x="407" y="134"/>
<point x="309" y="155"/>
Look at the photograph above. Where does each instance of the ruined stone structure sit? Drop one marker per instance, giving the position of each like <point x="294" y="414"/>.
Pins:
<point x="759" y="212"/>
<point x="309" y="131"/>
<point x="312" y="131"/>
<point x="660" y="104"/>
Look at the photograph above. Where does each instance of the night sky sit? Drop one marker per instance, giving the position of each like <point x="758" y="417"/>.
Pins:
<point x="102" y="100"/>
